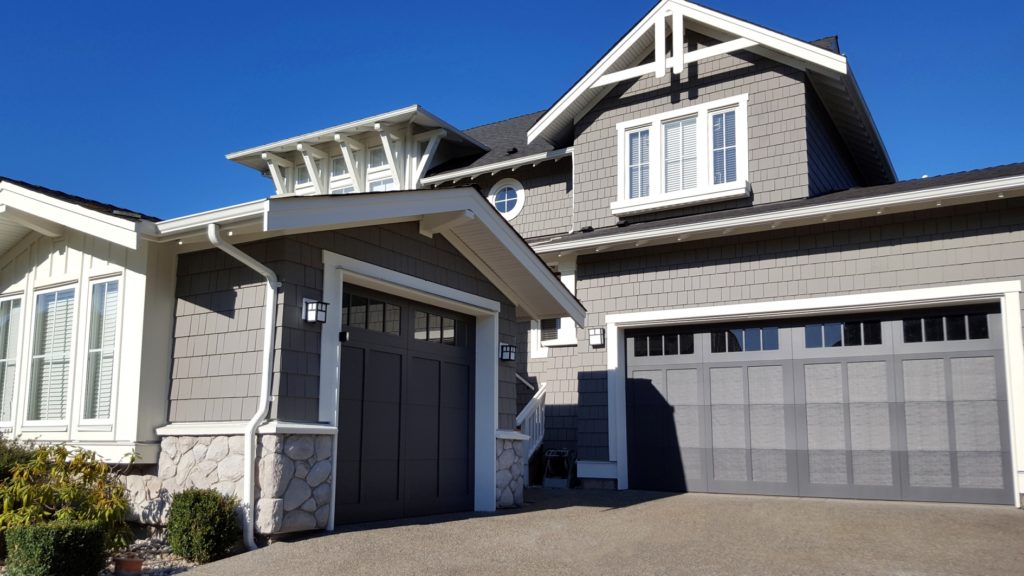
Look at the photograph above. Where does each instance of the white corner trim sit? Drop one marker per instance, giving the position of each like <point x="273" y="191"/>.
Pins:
<point x="202" y="429"/>
<point x="280" y="427"/>
<point x="1007" y="293"/>
<point x="511" y="435"/>
<point x="596" y="469"/>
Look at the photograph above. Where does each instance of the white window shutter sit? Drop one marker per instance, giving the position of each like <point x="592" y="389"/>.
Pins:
<point x="102" y="340"/>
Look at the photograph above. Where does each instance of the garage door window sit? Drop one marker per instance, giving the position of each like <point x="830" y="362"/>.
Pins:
<point x="663" y="345"/>
<point x="432" y="327"/>
<point x="838" y="334"/>
<point x="370" y="314"/>
<point x="745" y="339"/>
<point x="946" y="328"/>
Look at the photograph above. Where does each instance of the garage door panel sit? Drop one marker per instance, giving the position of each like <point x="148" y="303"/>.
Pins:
<point x="385" y="384"/>
<point x="976" y="425"/>
<point x="974" y="378"/>
<point x="930" y="469"/>
<point x="869" y="382"/>
<point x="424" y="382"/>
<point x="927" y="426"/>
<point x="981" y="470"/>
<point x="380" y="430"/>
<point x="874" y="468"/>
<point x="924" y="380"/>
<point x="770" y="465"/>
<point x="683" y="387"/>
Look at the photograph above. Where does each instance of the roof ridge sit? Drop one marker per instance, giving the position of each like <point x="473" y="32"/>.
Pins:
<point x="506" y="119"/>
<point x="967" y="171"/>
<point x="113" y="209"/>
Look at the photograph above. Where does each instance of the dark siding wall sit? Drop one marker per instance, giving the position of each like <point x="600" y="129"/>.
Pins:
<point x="829" y="165"/>
<point x="964" y="244"/>
<point x="212" y="381"/>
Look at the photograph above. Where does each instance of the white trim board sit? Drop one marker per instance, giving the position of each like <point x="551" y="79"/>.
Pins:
<point x="1007" y="293"/>
<point x="340" y="269"/>
<point x="43" y="209"/>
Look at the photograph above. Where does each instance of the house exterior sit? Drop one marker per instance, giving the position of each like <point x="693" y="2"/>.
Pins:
<point x="695" y="271"/>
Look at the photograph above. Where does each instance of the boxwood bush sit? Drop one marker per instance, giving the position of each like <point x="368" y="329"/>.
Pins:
<point x="202" y="525"/>
<point x="64" y="548"/>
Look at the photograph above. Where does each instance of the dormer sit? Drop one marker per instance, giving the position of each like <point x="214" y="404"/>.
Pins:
<point x="390" y="151"/>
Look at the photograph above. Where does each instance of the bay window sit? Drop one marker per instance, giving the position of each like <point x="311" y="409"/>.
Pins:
<point x="102" y="343"/>
<point x="686" y="156"/>
<point x="10" y="327"/>
<point x="51" y="355"/>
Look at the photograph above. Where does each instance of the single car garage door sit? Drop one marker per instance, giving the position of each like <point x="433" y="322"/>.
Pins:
<point x="405" y="442"/>
<point x="907" y="406"/>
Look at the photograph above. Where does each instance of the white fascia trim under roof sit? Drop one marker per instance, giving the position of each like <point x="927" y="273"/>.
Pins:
<point x="364" y="123"/>
<point x="309" y="213"/>
<point x="193" y="223"/>
<point x="814" y="56"/>
<point x="456" y="175"/>
<point x="834" y="211"/>
<point x="43" y="206"/>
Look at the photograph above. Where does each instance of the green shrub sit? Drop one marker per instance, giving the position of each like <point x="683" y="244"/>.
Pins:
<point x="202" y="525"/>
<point x="64" y="486"/>
<point x="12" y="452"/>
<point x="65" y="548"/>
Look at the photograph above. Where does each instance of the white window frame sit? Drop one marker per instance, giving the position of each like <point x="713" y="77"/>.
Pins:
<point x="18" y="361"/>
<point x="307" y="187"/>
<point x="52" y="425"/>
<point x="520" y="196"/>
<point x="115" y="376"/>
<point x="566" y="327"/>
<point x="706" y="190"/>
<point x="343" y="184"/>
<point x="370" y="183"/>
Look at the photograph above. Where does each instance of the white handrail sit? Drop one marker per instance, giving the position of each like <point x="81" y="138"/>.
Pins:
<point x="531" y="420"/>
<point x="526" y="382"/>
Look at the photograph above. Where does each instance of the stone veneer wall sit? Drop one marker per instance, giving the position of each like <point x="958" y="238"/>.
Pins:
<point x="293" y="486"/>
<point x="293" y="483"/>
<point x="509" y="481"/>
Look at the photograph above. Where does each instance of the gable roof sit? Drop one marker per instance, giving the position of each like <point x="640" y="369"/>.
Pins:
<point x="87" y="203"/>
<point x="909" y="195"/>
<point x="827" y="69"/>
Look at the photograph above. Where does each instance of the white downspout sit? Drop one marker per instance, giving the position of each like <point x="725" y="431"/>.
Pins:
<point x="263" y="406"/>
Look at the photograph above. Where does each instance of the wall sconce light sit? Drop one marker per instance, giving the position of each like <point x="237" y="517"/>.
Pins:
<point x="597" y="337"/>
<point x="314" y="311"/>
<point x="507" y="353"/>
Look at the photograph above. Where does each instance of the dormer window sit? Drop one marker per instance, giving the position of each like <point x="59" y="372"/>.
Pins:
<point x="339" y="169"/>
<point x="377" y="158"/>
<point x="686" y="156"/>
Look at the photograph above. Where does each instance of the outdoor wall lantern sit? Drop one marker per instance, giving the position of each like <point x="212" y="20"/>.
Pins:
<point x="597" y="337"/>
<point x="316" y="311"/>
<point x="507" y="353"/>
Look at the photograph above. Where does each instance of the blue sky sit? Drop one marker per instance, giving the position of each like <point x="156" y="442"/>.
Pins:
<point x="136" y="103"/>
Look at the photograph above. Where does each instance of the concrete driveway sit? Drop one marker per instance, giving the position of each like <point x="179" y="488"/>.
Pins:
<point x="601" y="532"/>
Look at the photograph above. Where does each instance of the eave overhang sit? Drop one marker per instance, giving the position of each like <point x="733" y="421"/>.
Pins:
<point x="782" y="218"/>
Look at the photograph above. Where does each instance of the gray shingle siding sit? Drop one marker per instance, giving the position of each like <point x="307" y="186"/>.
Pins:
<point x="829" y="166"/>
<point x="965" y="244"/>
<point x="218" y="330"/>
<point x="548" y="190"/>
<point x="776" y="128"/>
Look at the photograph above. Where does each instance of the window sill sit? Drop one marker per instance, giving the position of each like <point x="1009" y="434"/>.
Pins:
<point x="667" y="201"/>
<point x="95" y="427"/>
<point x="558" y="342"/>
<point x="42" y="427"/>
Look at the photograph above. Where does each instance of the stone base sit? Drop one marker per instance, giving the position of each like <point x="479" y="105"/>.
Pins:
<point x="509" y="476"/>
<point x="293" y="482"/>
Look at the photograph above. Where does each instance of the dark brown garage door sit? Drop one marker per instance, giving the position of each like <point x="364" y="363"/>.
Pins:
<point x="405" y="442"/>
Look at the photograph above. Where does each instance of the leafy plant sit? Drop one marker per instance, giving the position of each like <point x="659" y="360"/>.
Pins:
<point x="12" y="452"/>
<point x="202" y="525"/>
<point x="58" y="485"/>
<point x="64" y="548"/>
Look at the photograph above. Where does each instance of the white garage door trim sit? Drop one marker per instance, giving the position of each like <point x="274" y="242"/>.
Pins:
<point x="1007" y="294"/>
<point x="346" y="269"/>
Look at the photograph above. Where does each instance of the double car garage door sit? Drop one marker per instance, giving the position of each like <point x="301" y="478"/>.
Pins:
<point x="902" y="407"/>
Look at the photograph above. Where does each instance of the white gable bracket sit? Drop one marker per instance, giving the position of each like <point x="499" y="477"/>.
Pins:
<point x="274" y="164"/>
<point x="386" y="138"/>
<point x="428" y="155"/>
<point x="309" y="156"/>
<point x="437" y="223"/>
<point x="348" y="147"/>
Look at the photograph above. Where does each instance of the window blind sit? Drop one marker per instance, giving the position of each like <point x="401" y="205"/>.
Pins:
<point x="680" y="155"/>
<point x="102" y="341"/>
<point x="51" y="355"/>
<point x="639" y="163"/>
<point x="723" y="142"/>
<point x="10" y="326"/>
<point x="549" y="329"/>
